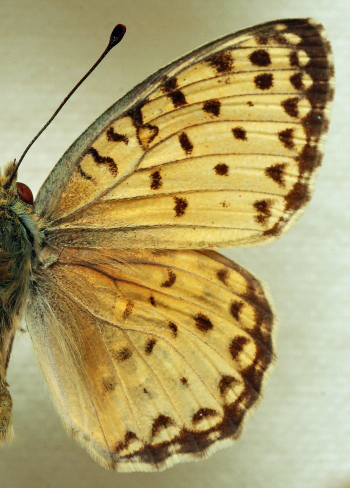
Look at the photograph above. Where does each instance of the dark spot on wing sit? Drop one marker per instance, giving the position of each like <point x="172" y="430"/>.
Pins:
<point x="264" y="212"/>
<point x="171" y="279"/>
<point x="128" y="309"/>
<point x="291" y="106"/>
<point x="309" y="159"/>
<point x="297" y="81"/>
<point x="237" y="346"/>
<point x="203" y="413"/>
<point x="297" y="197"/>
<point x="262" y="40"/>
<point x="178" y="98"/>
<point x="212" y="107"/>
<point x="170" y="84"/>
<point x="276" y="173"/>
<point x="274" y="230"/>
<point x="109" y="383"/>
<point x="149" y="346"/>
<point x="250" y="104"/>
<point x="264" y="81"/>
<point x="239" y="133"/>
<point x="260" y="58"/>
<point x="124" y="354"/>
<point x="180" y="206"/>
<point x="185" y="143"/>
<point x="129" y="437"/>
<point x="109" y="162"/>
<point x="225" y="383"/>
<point x="203" y="323"/>
<point x="184" y="381"/>
<point x="286" y="137"/>
<point x="173" y="328"/>
<point x="221" y="169"/>
<point x="279" y="38"/>
<point x="161" y="422"/>
<point x="115" y="137"/>
<point x="294" y="59"/>
<point x="315" y="123"/>
<point x="223" y="275"/>
<point x="236" y="309"/>
<point x="156" y="180"/>
<point x="136" y="114"/>
<point x="152" y="301"/>
<point x="222" y="62"/>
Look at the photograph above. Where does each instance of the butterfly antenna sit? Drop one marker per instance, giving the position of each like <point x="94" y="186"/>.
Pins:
<point x="116" y="36"/>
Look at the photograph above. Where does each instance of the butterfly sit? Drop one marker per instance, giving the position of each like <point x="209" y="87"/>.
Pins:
<point x="156" y="348"/>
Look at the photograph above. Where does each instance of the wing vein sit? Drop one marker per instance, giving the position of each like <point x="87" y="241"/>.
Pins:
<point x="165" y="226"/>
<point x="188" y="192"/>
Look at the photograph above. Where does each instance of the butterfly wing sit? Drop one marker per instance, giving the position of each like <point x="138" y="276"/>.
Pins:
<point x="157" y="357"/>
<point x="152" y="358"/>
<point x="218" y="149"/>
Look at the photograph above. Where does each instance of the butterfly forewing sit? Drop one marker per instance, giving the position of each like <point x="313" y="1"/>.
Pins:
<point x="222" y="144"/>
<point x="153" y="357"/>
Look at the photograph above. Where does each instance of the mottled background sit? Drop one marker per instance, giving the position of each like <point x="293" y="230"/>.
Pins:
<point x="300" y="437"/>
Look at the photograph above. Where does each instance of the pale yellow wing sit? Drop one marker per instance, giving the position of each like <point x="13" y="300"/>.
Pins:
<point x="218" y="149"/>
<point x="151" y="358"/>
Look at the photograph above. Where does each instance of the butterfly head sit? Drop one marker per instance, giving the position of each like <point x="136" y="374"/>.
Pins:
<point x="15" y="191"/>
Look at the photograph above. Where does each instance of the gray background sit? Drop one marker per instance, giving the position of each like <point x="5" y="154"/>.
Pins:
<point x="300" y="437"/>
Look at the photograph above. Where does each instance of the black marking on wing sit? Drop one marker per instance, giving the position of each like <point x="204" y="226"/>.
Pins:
<point x="84" y="175"/>
<point x="107" y="160"/>
<point x="115" y="137"/>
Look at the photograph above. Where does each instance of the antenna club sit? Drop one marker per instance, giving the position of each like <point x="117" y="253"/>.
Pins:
<point x="117" y="35"/>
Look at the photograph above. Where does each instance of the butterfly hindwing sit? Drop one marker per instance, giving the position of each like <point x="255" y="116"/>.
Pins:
<point x="151" y="358"/>
<point x="218" y="149"/>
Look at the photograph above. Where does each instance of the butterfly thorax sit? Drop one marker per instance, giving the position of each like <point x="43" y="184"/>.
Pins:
<point x="15" y="254"/>
<point x="19" y="242"/>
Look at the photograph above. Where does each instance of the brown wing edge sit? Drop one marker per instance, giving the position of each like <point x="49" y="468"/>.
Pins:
<point x="160" y="457"/>
<point x="320" y="68"/>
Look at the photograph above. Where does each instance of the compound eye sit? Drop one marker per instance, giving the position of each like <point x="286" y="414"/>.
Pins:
<point x="25" y="193"/>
